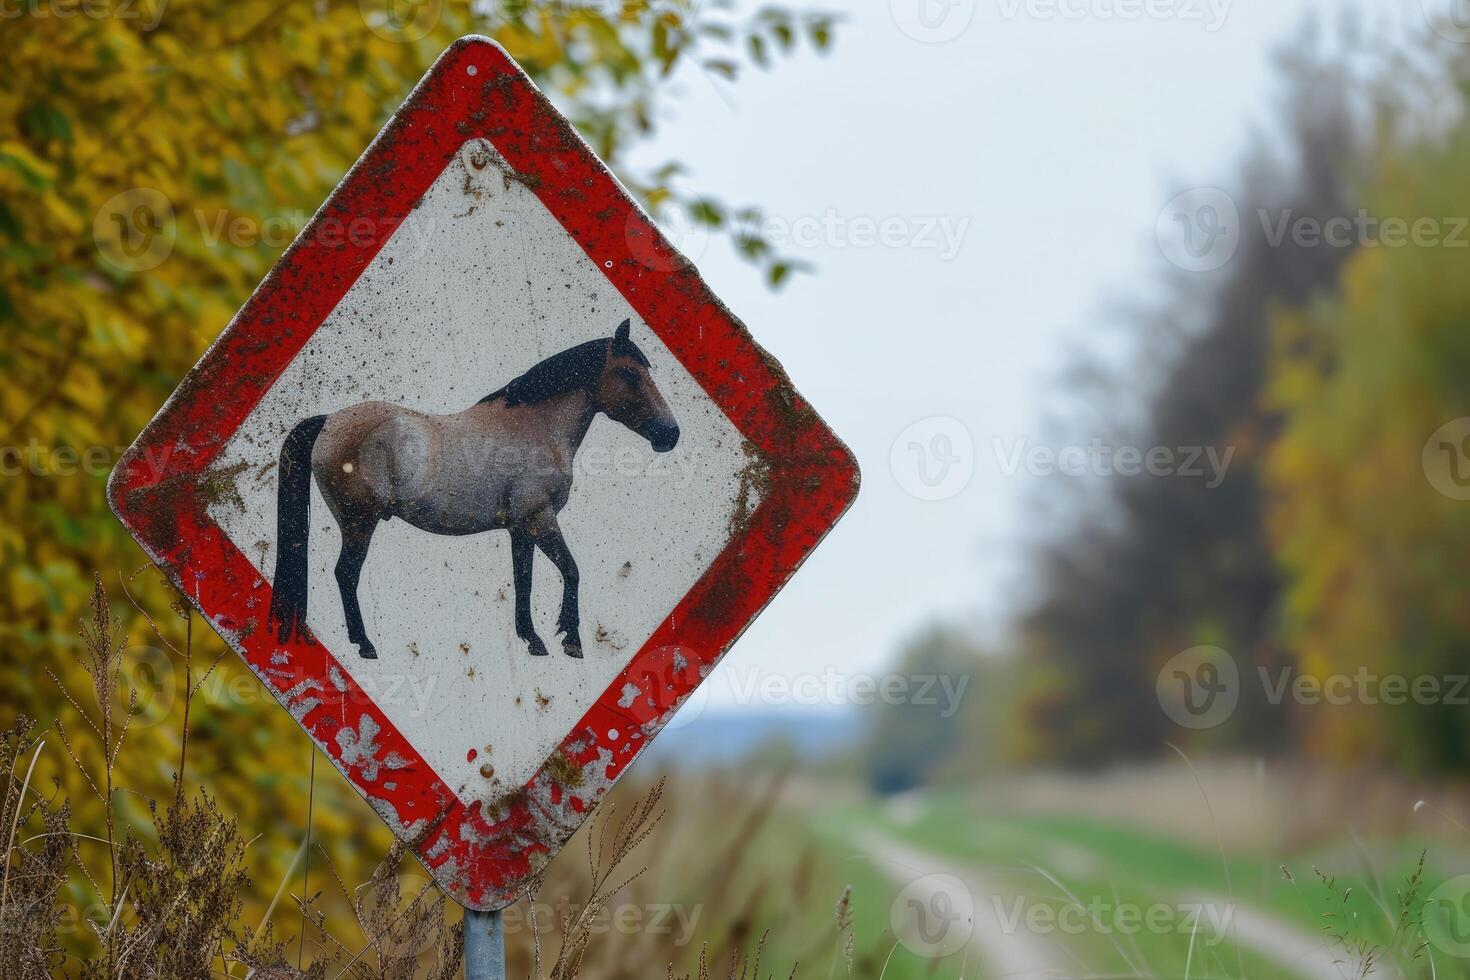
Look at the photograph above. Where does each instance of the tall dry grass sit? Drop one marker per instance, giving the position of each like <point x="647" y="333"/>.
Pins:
<point x="157" y="891"/>
<point x="731" y="863"/>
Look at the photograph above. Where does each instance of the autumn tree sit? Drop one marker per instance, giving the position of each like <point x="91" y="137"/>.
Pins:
<point x="155" y="159"/>
<point x="1140" y="567"/>
<point x="1369" y="482"/>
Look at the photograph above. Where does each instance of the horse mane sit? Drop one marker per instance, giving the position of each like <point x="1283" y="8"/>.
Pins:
<point x="575" y="369"/>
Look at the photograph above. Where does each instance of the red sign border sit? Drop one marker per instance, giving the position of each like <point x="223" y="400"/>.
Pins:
<point x="165" y="484"/>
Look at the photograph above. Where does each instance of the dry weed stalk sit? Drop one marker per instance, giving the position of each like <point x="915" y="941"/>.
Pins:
<point x="710" y="867"/>
<point x="610" y="842"/>
<point x="741" y="966"/>
<point x="183" y="898"/>
<point x="843" y="914"/>
<point x="30" y="898"/>
<point x="180" y="607"/>
<point x="172" y="907"/>
<point x="1356" y="955"/>
<point x="100" y="656"/>
<point x="401" y="938"/>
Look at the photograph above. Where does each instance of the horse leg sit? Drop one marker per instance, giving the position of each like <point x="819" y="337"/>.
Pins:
<point x="554" y="546"/>
<point x="356" y="537"/>
<point x="522" y="551"/>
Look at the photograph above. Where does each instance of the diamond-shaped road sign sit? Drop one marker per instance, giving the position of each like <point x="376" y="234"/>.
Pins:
<point x="479" y="332"/>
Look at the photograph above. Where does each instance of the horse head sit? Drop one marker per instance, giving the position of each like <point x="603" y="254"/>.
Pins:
<point x="626" y="394"/>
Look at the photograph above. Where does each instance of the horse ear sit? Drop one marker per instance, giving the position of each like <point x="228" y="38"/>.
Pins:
<point x="623" y="330"/>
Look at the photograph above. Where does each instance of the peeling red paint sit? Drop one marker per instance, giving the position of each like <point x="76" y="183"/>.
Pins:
<point x="162" y="488"/>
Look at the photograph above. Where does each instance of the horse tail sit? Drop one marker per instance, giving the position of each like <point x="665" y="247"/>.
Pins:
<point x="293" y="531"/>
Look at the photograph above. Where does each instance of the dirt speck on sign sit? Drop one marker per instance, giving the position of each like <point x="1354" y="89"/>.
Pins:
<point x="605" y="636"/>
<point x="755" y="483"/>
<point x="217" y="486"/>
<point x="564" y="770"/>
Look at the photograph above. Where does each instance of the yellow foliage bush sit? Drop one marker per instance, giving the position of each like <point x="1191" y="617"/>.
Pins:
<point x="155" y="159"/>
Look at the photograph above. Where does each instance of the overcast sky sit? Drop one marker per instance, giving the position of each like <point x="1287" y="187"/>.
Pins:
<point x="1024" y="150"/>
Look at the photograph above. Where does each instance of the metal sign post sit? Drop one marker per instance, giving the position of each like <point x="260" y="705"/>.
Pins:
<point x="484" y="946"/>
<point x="483" y="481"/>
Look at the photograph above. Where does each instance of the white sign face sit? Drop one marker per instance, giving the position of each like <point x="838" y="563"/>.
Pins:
<point x="478" y="287"/>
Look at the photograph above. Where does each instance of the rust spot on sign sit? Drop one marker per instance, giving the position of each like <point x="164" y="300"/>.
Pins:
<point x="565" y="771"/>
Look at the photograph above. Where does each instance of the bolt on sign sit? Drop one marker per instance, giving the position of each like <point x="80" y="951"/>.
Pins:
<point x="483" y="480"/>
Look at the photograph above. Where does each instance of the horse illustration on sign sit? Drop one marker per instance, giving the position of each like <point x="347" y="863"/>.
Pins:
<point x="504" y="464"/>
